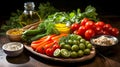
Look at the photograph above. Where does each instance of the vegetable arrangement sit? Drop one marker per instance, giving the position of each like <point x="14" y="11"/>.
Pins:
<point x="51" y="25"/>
<point x="63" y="45"/>
<point x="63" y="34"/>
<point x="47" y="44"/>
<point x="67" y="35"/>
<point x="73" y="46"/>
<point x="88" y="28"/>
<point x="44" y="28"/>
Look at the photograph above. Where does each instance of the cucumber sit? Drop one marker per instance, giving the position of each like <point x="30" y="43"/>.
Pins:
<point x="57" y="53"/>
<point x="31" y="32"/>
<point x="37" y="36"/>
<point x="26" y="38"/>
<point x="65" y="53"/>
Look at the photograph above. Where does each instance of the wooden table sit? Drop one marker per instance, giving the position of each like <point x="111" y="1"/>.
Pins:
<point x="27" y="59"/>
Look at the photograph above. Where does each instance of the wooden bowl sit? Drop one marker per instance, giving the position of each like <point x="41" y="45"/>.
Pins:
<point x="64" y="60"/>
<point x="14" y="34"/>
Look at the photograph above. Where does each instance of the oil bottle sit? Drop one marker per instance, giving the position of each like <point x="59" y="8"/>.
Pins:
<point x="29" y="14"/>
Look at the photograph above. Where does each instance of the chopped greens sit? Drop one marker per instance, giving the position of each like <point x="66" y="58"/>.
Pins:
<point x="74" y="16"/>
<point x="45" y="9"/>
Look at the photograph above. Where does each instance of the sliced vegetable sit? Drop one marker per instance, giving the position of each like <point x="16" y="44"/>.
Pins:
<point x="40" y="48"/>
<point x="34" y="46"/>
<point x="49" y="45"/>
<point x="57" y="53"/>
<point x="59" y="36"/>
<point x="65" y="53"/>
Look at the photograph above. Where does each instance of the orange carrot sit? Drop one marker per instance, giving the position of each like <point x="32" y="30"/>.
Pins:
<point x="37" y="43"/>
<point x="59" y="36"/>
<point x="49" y="45"/>
<point x="40" y="48"/>
<point x="45" y="42"/>
<point x="43" y="38"/>
<point x="34" y="46"/>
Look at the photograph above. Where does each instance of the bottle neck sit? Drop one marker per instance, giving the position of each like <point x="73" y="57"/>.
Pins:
<point x="29" y="8"/>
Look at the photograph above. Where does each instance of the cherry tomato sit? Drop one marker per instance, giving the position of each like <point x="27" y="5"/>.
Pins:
<point x="100" y="32"/>
<point x="106" y="33"/>
<point x="40" y="50"/>
<point x="75" y="26"/>
<point x="100" y="24"/>
<point x="89" y="25"/>
<point x="49" y="51"/>
<point x="97" y="29"/>
<point x="89" y="33"/>
<point x="109" y="30"/>
<point x="115" y="31"/>
<point x="46" y="47"/>
<point x="106" y="27"/>
<point x="55" y="46"/>
<point x="76" y="32"/>
<point x="83" y="21"/>
<point x="81" y="30"/>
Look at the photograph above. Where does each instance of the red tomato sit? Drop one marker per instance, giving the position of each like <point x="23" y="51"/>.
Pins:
<point x="40" y="50"/>
<point x="100" y="32"/>
<point x="89" y="25"/>
<point x="109" y="30"/>
<point x="76" y="32"/>
<point x="97" y="29"/>
<point x="89" y="33"/>
<point x="55" y="46"/>
<point x="106" y="33"/>
<point x="49" y="52"/>
<point x="46" y="47"/>
<point x="100" y="24"/>
<point x="75" y="26"/>
<point x="106" y="27"/>
<point x="83" y="21"/>
<point x="81" y="30"/>
<point x="115" y="31"/>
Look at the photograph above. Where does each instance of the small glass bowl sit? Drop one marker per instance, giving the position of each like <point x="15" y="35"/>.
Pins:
<point x="13" y="48"/>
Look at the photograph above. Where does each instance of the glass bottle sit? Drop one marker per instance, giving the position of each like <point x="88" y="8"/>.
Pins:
<point x="29" y="14"/>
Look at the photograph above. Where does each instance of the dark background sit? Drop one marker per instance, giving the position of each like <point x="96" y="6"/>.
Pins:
<point x="103" y="7"/>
